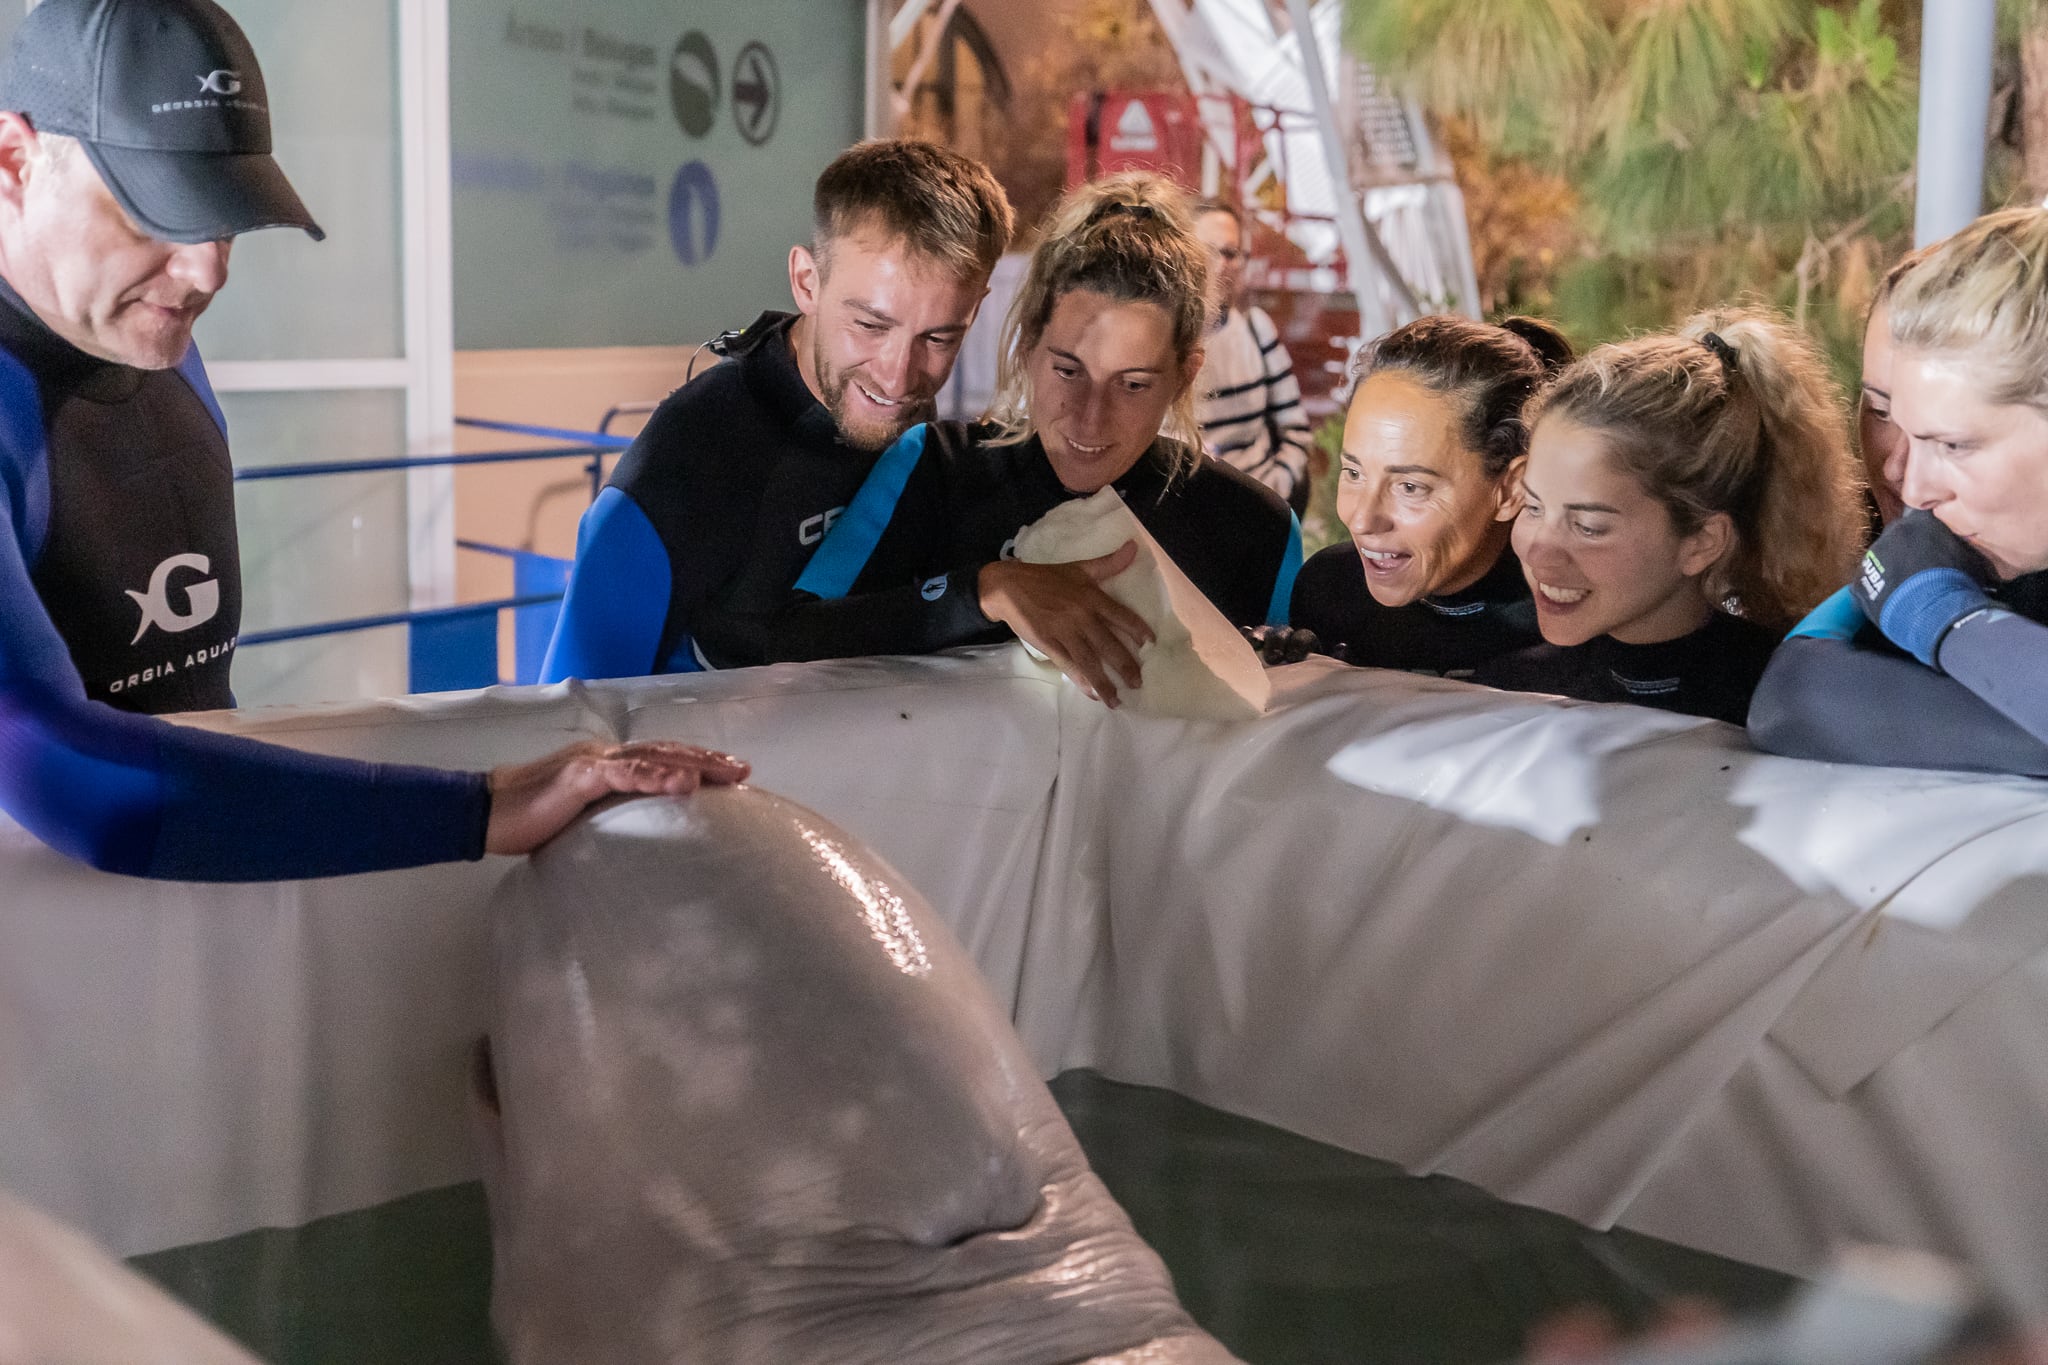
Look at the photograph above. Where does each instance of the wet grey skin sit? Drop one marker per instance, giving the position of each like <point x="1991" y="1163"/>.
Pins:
<point x="752" y="1103"/>
<point x="63" y="1301"/>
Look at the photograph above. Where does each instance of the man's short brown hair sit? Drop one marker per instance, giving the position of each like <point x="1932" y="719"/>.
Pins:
<point x="946" y="206"/>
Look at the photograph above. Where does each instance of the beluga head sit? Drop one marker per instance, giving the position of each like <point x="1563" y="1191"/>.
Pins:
<point x="749" y="1101"/>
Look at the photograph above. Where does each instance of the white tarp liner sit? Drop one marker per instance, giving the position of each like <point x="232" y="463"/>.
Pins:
<point x="1594" y="958"/>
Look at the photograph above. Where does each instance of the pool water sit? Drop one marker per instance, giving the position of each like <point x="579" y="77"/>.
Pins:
<point x="1294" y="1252"/>
<point x="1288" y="1250"/>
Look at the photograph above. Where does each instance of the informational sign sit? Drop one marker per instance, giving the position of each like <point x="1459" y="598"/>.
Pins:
<point x="693" y="213"/>
<point x="693" y="83"/>
<point x="633" y="172"/>
<point x="756" y="94"/>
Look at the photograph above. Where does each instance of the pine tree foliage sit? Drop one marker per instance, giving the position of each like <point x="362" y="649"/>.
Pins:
<point x="1518" y="70"/>
<point x="1716" y="146"/>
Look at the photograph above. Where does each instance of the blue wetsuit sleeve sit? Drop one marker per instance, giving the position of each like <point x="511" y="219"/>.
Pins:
<point x="139" y="795"/>
<point x="1838" y="618"/>
<point x="2003" y="659"/>
<point x="1843" y="701"/>
<point x="617" y="604"/>
<point x="1278" y="610"/>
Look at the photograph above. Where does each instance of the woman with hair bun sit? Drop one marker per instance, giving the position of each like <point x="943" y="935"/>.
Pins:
<point x="1095" y="390"/>
<point x="1934" y="655"/>
<point x="1433" y="445"/>
<point x="1686" y="498"/>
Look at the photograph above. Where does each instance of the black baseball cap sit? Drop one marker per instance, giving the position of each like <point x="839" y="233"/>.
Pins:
<point x="170" y="105"/>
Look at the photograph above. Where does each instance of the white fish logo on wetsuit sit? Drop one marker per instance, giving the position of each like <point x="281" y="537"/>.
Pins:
<point x="202" y="597"/>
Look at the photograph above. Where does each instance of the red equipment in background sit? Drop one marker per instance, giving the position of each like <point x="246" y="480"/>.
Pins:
<point x="1109" y="131"/>
<point x="1220" y="147"/>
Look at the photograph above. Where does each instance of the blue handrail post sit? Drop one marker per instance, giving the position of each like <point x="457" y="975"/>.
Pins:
<point x="533" y="627"/>
<point x="452" y="653"/>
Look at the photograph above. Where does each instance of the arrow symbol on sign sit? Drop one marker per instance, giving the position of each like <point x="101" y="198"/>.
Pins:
<point x="753" y="92"/>
<point x="756" y="94"/>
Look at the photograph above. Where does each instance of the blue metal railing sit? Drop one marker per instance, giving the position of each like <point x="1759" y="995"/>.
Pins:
<point x="300" y="471"/>
<point x="396" y="618"/>
<point x="450" y="648"/>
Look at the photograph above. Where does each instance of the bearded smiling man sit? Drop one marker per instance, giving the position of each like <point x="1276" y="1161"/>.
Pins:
<point x="714" y="513"/>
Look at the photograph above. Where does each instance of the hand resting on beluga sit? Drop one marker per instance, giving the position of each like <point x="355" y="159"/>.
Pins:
<point x="746" y="1099"/>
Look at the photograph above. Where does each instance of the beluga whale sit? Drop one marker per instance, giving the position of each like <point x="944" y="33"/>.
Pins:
<point x="746" y="1099"/>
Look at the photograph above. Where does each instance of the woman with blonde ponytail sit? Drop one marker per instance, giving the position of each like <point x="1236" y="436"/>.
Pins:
<point x="1094" y="390"/>
<point x="1935" y="653"/>
<point x="1687" y="497"/>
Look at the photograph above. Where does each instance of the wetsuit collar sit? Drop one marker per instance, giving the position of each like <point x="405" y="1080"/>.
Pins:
<point x="30" y="340"/>
<point x="1654" y="669"/>
<point x="1145" y="480"/>
<point x="769" y="364"/>
<point x="1504" y="582"/>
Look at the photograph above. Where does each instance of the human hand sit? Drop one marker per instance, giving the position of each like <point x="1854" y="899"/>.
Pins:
<point x="1281" y="644"/>
<point x="1061" y="611"/>
<point x="532" y="802"/>
<point x="1917" y="581"/>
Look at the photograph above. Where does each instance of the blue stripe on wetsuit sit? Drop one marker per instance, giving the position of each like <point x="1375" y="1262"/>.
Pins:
<point x="139" y="795"/>
<point x="1290" y="567"/>
<point x="1838" y="618"/>
<point x="852" y="540"/>
<point x="617" y="603"/>
<point x="193" y="371"/>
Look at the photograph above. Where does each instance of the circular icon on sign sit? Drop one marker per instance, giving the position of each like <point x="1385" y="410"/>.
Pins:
<point x="756" y="93"/>
<point x="693" y="213"/>
<point x="693" y="83"/>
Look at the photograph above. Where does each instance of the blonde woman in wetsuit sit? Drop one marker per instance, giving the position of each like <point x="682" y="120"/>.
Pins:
<point x="1934" y="655"/>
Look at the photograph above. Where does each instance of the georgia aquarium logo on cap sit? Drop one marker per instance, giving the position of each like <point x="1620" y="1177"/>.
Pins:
<point x="220" y="88"/>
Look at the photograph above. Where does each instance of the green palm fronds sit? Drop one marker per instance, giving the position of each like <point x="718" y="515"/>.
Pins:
<point x="1716" y="145"/>
<point x="2015" y="15"/>
<point x="1522" y="71"/>
<point x="1680" y="60"/>
<point x="1860" y="104"/>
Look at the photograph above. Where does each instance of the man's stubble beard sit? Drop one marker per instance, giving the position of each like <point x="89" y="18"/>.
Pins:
<point x="834" y="383"/>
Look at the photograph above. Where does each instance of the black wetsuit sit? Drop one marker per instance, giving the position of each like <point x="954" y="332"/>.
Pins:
<point x="1450" y="635"/>
<point x="1711" y="672"/>
<point x="119" y="584"/>
<point x="899" y="573"/>
<point x="1838" y="691"/>
<point x="708" y="520"/>
<point x="138" y="567"/>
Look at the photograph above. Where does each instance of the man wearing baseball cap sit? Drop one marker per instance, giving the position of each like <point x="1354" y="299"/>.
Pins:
<point x="134" y="147"/>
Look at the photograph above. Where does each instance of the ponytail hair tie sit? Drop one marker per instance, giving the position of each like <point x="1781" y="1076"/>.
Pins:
<point x="1730" y="358"/>
<point x="1144" y="212"/>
